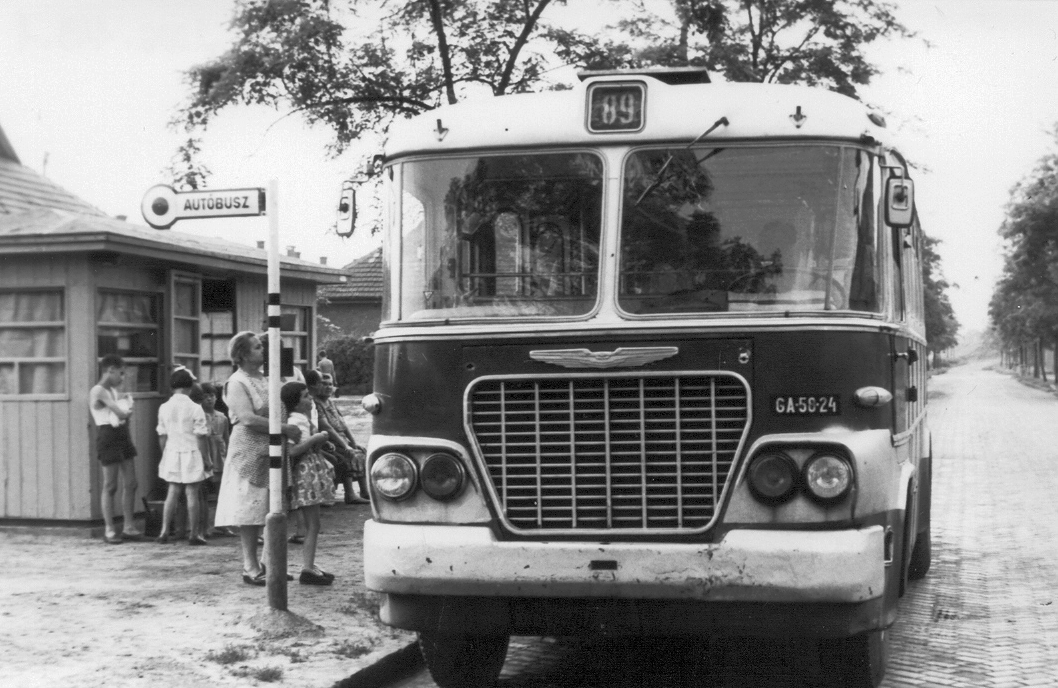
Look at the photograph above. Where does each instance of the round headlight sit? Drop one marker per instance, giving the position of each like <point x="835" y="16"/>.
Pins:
<point x="372" y="403"/>
<point x="772" y="477"/>
<point x="393" y="476"/>
<point x="827" y="477"/>
<point x="442" y="476"/>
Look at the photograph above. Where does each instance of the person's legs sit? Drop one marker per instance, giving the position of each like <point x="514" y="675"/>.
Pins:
<point x="193" y="523"/>
<point x="312" y="533"/>
<point x="110" y="488"/>
<point x="169" y="509"/>
<point x="129" y="485"/>
<point x="248" y="539"/>
<point x="204" y="520"/>
<point x="299" y="525"/>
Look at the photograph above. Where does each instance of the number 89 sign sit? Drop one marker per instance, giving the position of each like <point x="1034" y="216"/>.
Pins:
<point x="615" y="107"/>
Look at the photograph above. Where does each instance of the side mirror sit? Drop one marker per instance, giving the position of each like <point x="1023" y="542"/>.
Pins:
<point x="346" y="224"/>
<point x="899" y="201"/>
<point x="347" y="210"/>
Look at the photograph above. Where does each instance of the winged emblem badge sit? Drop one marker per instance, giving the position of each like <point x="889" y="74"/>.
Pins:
<point x="618" y="358"/>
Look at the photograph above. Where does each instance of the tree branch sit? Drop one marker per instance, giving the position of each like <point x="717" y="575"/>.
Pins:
<point x="442" y="47"/>
<point x="519" y="43"/>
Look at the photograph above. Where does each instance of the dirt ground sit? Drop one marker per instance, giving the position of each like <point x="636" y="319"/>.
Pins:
<point x="77" y="612"/>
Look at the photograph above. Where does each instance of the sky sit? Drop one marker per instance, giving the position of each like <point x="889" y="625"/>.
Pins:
<point x="88" y="87"/>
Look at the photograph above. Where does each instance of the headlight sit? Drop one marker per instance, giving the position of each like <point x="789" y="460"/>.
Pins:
<point x="827" y="477"/>
<point x="393" y="476"/>
<point x="372" y="403"/>
<point x="442" y="476"/>
<point x="772" y="477"/>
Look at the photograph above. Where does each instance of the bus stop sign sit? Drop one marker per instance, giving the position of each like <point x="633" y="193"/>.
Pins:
<point x="162" y="206"/>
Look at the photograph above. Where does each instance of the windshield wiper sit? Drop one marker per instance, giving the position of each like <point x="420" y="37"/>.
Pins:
<point x="668" y="161"/>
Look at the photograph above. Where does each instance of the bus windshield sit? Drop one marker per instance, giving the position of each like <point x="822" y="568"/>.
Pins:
<point x="779" y="228"/>
<point x="500" y="235"/>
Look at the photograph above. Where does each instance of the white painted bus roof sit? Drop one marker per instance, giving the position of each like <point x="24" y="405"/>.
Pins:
<point x="754" y="111"/>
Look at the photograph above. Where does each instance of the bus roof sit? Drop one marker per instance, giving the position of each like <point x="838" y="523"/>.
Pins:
<point x="678" y="113"/>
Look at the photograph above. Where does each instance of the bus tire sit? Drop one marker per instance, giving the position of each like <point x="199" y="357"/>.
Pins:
<point x="921" y="556"/>
<point x="855" y="662"/>
<point x="461" y="660"/>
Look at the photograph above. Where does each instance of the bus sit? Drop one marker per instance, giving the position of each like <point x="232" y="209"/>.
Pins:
<point x="652" y="362"/>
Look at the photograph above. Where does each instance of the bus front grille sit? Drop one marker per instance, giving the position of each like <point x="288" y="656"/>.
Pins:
<point x="617" y="453"/>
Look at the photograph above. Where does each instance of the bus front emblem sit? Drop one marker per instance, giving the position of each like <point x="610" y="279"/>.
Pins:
<point x="620" y="357"/>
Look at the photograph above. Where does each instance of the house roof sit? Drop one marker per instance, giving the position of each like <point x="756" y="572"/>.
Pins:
<point x="46" y="230"/>
<point x="364" y="283"/>
<point x="22" y="189"/>
<point x="38" y="216"/>
<point x="7" y="152"/>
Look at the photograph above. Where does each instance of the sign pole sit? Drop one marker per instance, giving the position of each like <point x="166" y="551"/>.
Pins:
<point x="162" y="206"/>
<point x="276" y="521"/>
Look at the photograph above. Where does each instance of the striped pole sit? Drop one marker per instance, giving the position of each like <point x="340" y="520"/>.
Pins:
<point x="276" y="522"/>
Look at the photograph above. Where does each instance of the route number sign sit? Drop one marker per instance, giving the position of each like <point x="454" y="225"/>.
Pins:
<point x="616" y="107"/>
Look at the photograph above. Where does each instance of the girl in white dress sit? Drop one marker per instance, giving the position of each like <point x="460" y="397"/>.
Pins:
<point x="183" y="435"/>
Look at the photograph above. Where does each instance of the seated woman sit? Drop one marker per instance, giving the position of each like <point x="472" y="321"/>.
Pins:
<point x="342" y="451"/>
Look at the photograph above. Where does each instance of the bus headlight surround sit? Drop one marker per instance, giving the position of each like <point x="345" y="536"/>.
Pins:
<point x="394" y="476"/>
<point x="442" y="476"/>
<point x="827" y="477"/>
<point x="773" y="477"/>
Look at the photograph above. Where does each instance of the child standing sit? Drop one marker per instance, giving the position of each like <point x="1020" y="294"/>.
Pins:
<point x="217" y="423"/>
<point x="313" y="479"/>
<point x="182" y="432"/>
<point x="114" y="449"/>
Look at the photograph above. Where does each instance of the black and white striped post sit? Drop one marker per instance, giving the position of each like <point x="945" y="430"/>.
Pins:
<point x="276" y="521"/>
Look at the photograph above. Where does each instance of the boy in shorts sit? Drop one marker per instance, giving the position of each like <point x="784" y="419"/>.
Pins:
<point x="110" y="412"/>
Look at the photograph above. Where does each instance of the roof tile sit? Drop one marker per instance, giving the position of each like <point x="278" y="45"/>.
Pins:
<point x="365" y="279"/>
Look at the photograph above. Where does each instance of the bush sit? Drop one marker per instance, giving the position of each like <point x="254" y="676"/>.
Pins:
<point x="354" y="364"/>
<point x="229" y="655"/>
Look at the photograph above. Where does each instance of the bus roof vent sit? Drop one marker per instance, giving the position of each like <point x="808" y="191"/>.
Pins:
<point x="673" y="76"/>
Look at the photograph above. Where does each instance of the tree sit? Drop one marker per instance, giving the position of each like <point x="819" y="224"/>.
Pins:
<point x="304" y="56"/>
<point x="813" y="42"/>
<point x="1024" y="306"/>
<point x="941" y="324"/>
<point x="312" y="58"/>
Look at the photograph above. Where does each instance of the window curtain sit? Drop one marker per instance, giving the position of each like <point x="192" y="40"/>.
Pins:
<point x="118" y="307"/>
<point x="20" y="340"/>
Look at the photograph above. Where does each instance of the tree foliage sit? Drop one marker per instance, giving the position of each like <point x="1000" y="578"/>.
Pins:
<point x="1024" y="305"/>
<point x="308" y="57"/>
<point x="353" y="66"/>
<point x="941" y="325"/>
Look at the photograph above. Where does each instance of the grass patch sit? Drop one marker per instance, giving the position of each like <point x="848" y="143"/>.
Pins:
<point x="362" y="603"/>
<point x="295" y="656"/>
<point x="229" y="655"/>
<point x="268" y="674"/>
<point x="352" y="649"/>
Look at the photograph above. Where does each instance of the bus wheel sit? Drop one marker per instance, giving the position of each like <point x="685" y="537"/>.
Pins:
<point x="463" y="661"/>
<point x="920" y="556"/>
<point x="856" y="662"/>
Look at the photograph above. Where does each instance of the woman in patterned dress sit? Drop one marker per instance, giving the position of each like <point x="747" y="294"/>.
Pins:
<point x="243" y="498"/>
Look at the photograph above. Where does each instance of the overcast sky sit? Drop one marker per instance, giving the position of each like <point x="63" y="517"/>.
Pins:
<point x="87" y="88"/>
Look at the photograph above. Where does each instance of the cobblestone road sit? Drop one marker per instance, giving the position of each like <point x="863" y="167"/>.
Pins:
<point x="986" y="615"/>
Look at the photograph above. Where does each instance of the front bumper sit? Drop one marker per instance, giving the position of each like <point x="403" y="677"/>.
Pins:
<point x="844" y="566"/>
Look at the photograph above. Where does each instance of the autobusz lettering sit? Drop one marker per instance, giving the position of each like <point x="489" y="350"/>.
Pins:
<point x="806" y="404"/>
<point x="217" y="203"/>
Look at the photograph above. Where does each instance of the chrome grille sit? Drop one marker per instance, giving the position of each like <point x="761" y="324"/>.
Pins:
<point x="617" y="453"/>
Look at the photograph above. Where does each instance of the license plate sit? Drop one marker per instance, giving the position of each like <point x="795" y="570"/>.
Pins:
<point x="806" y="404"/>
